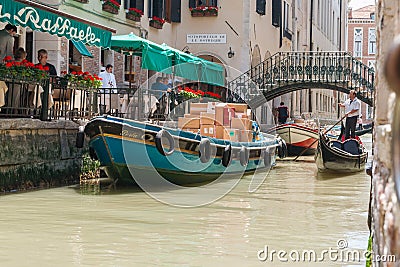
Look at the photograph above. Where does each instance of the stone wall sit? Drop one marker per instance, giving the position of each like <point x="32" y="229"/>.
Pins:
<point x="38" y="153"/>
<point x="385" y="206"/>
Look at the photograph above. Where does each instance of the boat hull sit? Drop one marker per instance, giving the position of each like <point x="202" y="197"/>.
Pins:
<point x="336" y="160"/>
<point x="127" y="152"/>
<point x="298" y="138"/>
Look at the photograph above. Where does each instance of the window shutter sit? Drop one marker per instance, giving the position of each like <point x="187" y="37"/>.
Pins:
<point x="167" y="10"/>
<point x="176" y="10"/>
<point x="139" y="4"/>
<point x="150" y="8"/>
<point x="260" y="7"/>
<point x="192" y="3"/>
<point x="276" y="12"/>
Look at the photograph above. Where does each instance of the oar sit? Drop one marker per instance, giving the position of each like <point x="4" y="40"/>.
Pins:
<point x="302" y="152"/>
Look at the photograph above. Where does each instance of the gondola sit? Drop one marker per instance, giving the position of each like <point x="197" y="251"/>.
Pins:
<point x="299" y="139"/>
<point x="335" y="156"/>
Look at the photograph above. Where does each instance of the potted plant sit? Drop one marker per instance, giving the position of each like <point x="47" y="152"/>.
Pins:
<point x="23" y="71"/>
<point x="111" y="6"/>
<point x="134" y="14"/>
<point x="156" y="22"/>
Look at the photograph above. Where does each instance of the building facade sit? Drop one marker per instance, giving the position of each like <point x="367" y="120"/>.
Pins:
<point x="238" y="34"/>
<point x="362" y="43"/>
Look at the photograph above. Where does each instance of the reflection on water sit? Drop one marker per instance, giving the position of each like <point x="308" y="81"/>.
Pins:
<point x="294" y="209"/>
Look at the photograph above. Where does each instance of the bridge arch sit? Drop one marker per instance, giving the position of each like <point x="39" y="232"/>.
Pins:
<point x="287" y="72"/>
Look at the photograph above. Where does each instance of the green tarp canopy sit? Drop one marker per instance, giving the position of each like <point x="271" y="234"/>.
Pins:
<point x="42" y="18"/>
<point x="82" y="49"/>
<point x="162" y="58"/>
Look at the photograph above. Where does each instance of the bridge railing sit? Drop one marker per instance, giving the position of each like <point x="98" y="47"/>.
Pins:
<point x="297" y="68"/>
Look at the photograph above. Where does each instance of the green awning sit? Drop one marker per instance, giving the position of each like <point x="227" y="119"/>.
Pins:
<point x="42" y="18"/>
<point x="82" y="48"/>
<point x="163" y="58"/>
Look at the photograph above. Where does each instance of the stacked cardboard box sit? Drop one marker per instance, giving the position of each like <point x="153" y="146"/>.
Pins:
<point x="219" y="120"/>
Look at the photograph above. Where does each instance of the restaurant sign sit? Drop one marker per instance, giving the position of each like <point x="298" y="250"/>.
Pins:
<point x="45" y="21"/>
<point x="206" y="38"/>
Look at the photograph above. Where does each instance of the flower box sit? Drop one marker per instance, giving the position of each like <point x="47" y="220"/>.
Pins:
<point x="133" y="17"/>
<point x="209" y="13"/>
<point x="83" y="1"/>
<point x="197" y="14"/>
<point x="110" y="9"/>
<point x="156" y="22"/>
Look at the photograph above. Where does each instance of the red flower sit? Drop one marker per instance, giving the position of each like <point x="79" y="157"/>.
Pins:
<point x="46" y="68"/>
<point x="158" y="19"/>
<point x="135" y="10"/>
<point x="73" y="72"/>
<point x="7" y="58"/>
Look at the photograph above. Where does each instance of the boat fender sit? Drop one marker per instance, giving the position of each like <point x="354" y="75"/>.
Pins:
<point x="282" y="149"/>
<point x="165" y="134"/>
<point x="244" y="156"/>
<point x="267" y="159"/>
<point x="205" y="150"/>
<point x="80" y="138"/>
<point x="92" y="154"/>
<point x="227" y="156"/>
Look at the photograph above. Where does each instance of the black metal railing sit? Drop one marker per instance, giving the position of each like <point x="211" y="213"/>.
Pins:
<point x="289" y="71"/>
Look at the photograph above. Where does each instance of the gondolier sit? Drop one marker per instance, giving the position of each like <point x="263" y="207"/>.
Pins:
<point x="352" y="108"/>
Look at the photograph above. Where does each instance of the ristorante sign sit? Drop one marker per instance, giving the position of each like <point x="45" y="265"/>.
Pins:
<point x="41" y="20"/>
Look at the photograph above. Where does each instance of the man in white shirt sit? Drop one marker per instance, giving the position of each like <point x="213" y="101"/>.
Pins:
<point x="352" y="108"/>
<point x="110" y="101"/>
<point x="108" y="79"/>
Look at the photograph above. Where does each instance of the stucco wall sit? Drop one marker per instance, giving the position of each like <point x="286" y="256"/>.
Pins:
<point x="38" y="152"/>
<point x="386" y="210"/>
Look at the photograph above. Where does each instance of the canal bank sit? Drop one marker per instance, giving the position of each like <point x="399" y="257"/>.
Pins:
<point x="38" y="154"/>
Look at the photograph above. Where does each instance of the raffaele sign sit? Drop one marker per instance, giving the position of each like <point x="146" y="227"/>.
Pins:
<point x="39" y="19"/>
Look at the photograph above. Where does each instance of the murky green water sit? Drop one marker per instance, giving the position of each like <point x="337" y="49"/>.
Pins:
<point x="294" y="210"/>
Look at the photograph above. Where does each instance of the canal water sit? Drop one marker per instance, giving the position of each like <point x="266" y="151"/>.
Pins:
<point x="295" y="212"/>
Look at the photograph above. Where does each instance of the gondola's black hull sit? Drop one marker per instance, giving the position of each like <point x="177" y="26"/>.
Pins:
<point x="336" y="160"/>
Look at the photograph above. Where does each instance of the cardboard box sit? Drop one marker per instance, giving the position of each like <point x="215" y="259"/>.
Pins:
<point x="211" y="107"/>
<point x="240" y="108"/>
<point x="246" y="136"/>
<point x="231" y="134"/>
<point x="219" y="132"/>
<point x="241" y="115"/>
<point x="192" y="123"/>
<point x="207" y="118"/>
<point x="241" y="124"/>
<point x="192" y="130"/>
<point x="223" y="115"/>
<point x="197" y="108"/>
<point x="207" y="130"/>
<point x="191" y="116"/>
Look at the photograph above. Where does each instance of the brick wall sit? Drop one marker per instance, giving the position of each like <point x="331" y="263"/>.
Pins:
<point x="92" y="65"/>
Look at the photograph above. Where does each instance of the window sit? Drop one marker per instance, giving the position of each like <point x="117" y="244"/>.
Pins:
<point x="358" y="35"/>
<point x="371" y="41"/>
<point x="139" y="4"/>
<point x="156" y="8"/>
<point x="372" y="16"/>
<point x="285" y="15"/>
<point x="276" y="12"/>
<point x="260" y="7"/>
<point x="196" y="3"/>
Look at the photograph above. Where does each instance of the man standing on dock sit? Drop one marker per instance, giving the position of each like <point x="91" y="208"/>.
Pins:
<point x="352" y="107"/>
